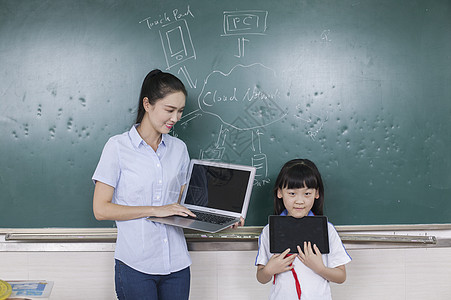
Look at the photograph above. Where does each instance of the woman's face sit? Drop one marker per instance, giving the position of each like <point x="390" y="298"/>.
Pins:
<point x="165" y="112"/>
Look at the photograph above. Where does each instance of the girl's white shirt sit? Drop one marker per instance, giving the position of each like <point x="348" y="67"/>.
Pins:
<point x="313" y="286"/>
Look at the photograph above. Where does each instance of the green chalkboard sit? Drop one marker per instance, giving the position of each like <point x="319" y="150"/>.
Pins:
<point x="360" y="87"/>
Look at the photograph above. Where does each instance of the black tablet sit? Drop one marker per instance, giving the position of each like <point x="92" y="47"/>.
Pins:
<point x="288" y="232"/>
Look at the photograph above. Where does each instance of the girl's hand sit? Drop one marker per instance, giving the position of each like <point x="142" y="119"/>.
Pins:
<point x="279" y="263"/>
<point x="311" y="258"/>
<point x="172" y="210"/>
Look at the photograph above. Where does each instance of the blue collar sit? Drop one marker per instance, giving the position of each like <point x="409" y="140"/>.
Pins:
<point x="285" y="212"/>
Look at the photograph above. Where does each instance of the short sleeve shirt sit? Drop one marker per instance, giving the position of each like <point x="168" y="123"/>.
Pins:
<point x="142" y="177"/>
<point x="313" y="286"/>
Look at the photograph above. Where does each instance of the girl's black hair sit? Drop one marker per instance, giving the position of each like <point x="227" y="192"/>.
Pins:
<point x="295" y="174"/>
<point x="156" y="86"/>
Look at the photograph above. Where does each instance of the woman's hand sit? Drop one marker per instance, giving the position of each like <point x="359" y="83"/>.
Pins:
<point x="174" y="209"/>
<point x="104" y="209"/>
<point x="240" y="223"/>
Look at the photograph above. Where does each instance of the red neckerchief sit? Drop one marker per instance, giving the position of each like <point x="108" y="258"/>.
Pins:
<point x="296" y="280"/>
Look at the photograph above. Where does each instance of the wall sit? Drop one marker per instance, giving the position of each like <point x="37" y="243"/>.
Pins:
<point x="390" y="272"/>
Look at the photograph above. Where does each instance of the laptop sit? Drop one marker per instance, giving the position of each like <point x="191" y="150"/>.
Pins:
<point x="289" y="232"/>
<point x="217" y="192"/>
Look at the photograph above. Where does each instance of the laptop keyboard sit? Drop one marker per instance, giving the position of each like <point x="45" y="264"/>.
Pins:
<point x="209" y="218"/>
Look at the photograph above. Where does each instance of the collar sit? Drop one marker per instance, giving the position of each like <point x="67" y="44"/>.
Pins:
<point x="164" y="139"/>
<point x="137" y="140"/>
<point x="134" y="136"/>
<point x="285" y="212"/>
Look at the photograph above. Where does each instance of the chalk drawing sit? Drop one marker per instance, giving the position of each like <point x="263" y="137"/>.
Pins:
<point x="217" y="150"/>
<point x="259" y="161"/>
<point x="241" y="42"/>
<point x="244" y="22"/>
<point x="314" y="123"/>
<point x="325" y="35"/>
<point x="177" y="44"/>
<point x="188" y="77"/>
<point x="186" y="118"/>
<point x="237" y="103"/>
<point x="316" y="127"/>
<point x="239" y="141"/>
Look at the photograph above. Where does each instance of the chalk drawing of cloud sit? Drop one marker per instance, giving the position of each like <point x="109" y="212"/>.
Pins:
<point x="244" y="98"/>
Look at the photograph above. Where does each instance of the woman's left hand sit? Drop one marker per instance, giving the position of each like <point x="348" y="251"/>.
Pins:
<point x="240" y="223"/>
<point x="311" y="257"/>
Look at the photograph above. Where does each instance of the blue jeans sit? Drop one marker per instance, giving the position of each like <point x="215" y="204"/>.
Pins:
<point x="134" y="285"/>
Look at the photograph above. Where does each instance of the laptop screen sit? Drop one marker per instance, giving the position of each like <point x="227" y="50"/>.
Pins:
<point x="217" y="187"/>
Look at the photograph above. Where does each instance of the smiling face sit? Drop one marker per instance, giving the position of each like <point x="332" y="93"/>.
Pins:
<point x="167" y="111"/>
<point x="298" y="201"/>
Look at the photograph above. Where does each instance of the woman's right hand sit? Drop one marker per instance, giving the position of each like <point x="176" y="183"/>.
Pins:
<point x="174" y="209"/>
<point x="104" y="209"/>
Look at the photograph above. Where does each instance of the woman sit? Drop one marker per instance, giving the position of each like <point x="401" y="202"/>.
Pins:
<point x="141" y="173"/>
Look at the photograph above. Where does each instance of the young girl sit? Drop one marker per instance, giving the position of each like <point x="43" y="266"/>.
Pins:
<point x="299" y="192"/>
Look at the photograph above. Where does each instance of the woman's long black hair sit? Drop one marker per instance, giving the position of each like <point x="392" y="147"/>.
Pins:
<point x="156" y="86"/>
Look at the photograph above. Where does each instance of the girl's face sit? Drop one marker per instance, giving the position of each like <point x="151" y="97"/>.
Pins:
<point x="298" y="202"/>
<point x="164" y="113"/>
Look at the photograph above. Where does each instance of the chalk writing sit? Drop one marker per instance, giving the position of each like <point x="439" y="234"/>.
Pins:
<point x="316" y="128"/>
<point x="314" y="122"/>
<point x="325" y="35"/>
<point x="166" y="18"/>
<point x="244" y="22"/>
<point x="250" y="106"/>
<point x="250" y="94"/>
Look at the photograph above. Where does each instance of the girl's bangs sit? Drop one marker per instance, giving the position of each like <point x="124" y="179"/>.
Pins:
<point x="297" y="178"/>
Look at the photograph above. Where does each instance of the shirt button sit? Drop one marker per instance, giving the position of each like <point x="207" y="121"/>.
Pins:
<point x="165" y="240"/>
<point x="160" y="181"/>
<point x="158" y="165"/>
<point x="158" y="197"/>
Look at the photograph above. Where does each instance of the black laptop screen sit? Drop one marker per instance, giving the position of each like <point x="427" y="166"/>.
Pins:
<point x="217" y="187"/>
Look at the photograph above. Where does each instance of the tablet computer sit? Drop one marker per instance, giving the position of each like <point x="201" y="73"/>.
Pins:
<point x="289" y="232"/>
